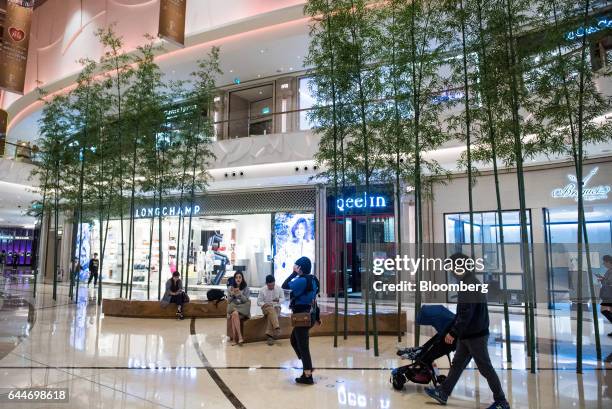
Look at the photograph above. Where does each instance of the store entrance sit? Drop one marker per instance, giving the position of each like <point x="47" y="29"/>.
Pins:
<point x="353" y="252"/>
<point x="561" y="228"/>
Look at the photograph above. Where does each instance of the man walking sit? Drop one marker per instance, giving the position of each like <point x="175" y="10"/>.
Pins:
<point x="94" y="263"/>
<point x="471" y="329"/>
<point x="269" y="299"/>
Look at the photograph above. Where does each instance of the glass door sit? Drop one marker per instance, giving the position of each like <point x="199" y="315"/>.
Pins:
<point x="353" y="251"/>
<point x="502" y="260"/>
<point x="561" y="234"/>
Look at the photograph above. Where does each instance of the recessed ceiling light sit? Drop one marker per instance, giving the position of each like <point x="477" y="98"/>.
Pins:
<point x="231" y="71"/>
<point x="290" y="68"/>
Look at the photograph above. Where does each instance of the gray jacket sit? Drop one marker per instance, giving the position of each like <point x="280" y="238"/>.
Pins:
<point x="167" y="296"/>
<point x="241" y="298"/>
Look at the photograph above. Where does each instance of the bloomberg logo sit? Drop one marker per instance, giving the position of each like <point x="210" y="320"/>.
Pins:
<point x="364" y="201"/>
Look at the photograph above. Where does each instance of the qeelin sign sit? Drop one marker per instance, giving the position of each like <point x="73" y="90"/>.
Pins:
<point x="14" y="51"/>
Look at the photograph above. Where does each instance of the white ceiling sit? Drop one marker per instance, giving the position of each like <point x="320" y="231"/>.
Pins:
<point x="14" y="202"/>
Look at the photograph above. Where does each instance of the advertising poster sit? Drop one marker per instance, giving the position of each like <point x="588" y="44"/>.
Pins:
<point x="172" y="20"/>
<point x="83" y="248"/>
<point x="293" y="238"/>
<point x="14" y="52"/>
<point x="3" y="125"/>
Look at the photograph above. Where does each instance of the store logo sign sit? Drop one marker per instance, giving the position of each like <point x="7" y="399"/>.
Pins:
<point x="602" y="24"/>
<point x="361" y="202"/>
<point x="589" y="194"/>
<point x="167" y="211"/>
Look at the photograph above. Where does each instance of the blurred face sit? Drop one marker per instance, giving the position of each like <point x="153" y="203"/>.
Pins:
<point x="297" y="269"/>
<point x="607" y="264"/>
<point x="300" y="232"/>
<point x="95" y="255"/>
<point x="271" y="286"/>
<point x="238" y="279"/>
<point x="176" y="278"/>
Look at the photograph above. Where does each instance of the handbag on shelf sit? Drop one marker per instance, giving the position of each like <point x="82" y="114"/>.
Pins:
<point x="301" y="319"/>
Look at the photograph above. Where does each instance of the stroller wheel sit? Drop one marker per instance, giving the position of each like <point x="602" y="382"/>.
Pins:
<point x="398" y="382"/>
<point x="441" y="378"/>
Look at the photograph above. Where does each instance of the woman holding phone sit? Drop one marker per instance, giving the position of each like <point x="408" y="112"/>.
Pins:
<point x="238" y="306"/>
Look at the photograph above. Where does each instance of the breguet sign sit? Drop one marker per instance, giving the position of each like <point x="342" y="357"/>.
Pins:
<point x="590" y="192"/>
<point x="14" y="47"/>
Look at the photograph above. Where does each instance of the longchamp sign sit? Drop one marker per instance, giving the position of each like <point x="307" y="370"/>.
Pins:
<point x="169" y="211"/>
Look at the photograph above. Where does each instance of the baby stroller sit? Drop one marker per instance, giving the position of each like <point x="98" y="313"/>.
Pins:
<point x="422" y="370"/>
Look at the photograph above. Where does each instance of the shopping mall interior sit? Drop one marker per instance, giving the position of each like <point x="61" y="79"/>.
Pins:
<point x="158" y="155"/>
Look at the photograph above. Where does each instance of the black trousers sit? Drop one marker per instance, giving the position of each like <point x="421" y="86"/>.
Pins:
<point x="300" y="342"/>
<point x="466" y="350"/>
<point x="179" y="300"/>
<point x="93" y="276"/>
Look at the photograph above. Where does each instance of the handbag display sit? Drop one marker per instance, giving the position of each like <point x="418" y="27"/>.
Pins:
<point x="301" y="319"/>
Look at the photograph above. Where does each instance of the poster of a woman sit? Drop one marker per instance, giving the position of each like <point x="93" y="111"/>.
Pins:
<point x="293" y="238"/>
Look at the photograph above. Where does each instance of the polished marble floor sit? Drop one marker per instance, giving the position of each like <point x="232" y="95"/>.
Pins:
<point x="108" y="362"/>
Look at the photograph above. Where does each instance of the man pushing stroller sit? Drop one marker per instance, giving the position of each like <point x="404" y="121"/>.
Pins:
<point x="470" y="330"/>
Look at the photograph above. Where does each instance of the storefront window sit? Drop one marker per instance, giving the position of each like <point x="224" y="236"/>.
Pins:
<point x="250" y="111"/>
<point x="561" y="229"/>
<point x="220" y="245"/>
<point x="16" y="246"/>
<point x="306" y="102"/>
<point x="487" y="245"/>
<point x="348" y="218"/>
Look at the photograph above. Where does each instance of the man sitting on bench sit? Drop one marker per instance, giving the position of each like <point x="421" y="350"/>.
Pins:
<point x="269" y="299"/>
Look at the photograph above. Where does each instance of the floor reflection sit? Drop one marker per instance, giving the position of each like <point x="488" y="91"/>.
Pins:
<point x="125" y="362"/>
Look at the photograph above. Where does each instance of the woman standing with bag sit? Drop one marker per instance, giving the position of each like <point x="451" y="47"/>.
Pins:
<point x="304" y="288"/>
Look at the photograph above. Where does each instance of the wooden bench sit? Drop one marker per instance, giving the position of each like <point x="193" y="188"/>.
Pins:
<point x="254" y="329"/>
<point x="117" y="307"/>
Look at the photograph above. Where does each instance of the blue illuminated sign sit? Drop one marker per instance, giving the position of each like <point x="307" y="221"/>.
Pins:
<point x="356" y="200"/>
<point x="361" y="202"/>
<point x="602" y="24"/>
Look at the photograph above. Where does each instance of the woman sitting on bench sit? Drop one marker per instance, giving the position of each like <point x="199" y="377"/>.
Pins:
<point x="175" y="294"/>
<point x="238" y="306"/>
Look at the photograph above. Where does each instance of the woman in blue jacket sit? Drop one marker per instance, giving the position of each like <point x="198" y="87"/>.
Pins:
<point x="304" y="288"/>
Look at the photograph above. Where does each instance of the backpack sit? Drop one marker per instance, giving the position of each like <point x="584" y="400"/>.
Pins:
<point x="215" y="295"/>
